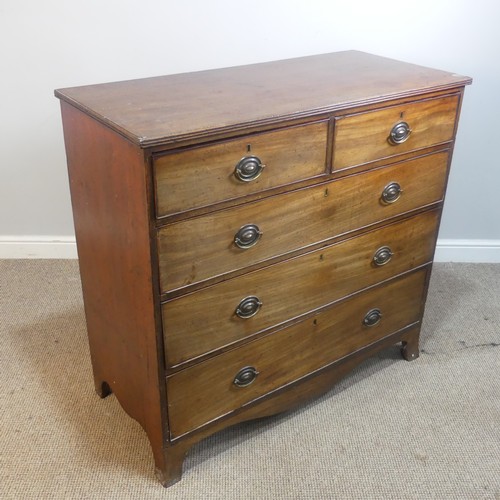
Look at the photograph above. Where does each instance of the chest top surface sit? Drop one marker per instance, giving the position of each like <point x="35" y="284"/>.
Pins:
<point x="165" y="109"/>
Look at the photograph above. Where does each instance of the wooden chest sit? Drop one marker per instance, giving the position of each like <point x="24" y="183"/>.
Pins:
<point x="248" y="235"/>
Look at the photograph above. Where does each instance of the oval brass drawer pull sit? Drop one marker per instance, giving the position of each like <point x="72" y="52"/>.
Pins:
<point x="399" y="133"/>
<point x="248" y="307"/>
<point x="372" y="317"/>
<point x="245" y="376"/>
<point x="382" y="256"/>
<point x="248" y="168"/>
<point x="247" y="236"/>
<point x="391" y="193"/>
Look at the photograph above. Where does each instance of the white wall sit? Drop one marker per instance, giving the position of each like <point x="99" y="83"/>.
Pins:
<point x="54" y="43"/>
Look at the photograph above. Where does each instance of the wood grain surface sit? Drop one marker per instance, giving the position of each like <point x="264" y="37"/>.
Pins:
<point x="110" y="210"/>
<point x="202" y="176"/>
<point x="157" y="206"/>
<point x="205" y="320"/>
<point x="167" y="109"/>
<point x="363" y="137"/>
<point x="291" y="353"/>
<point x="200" y="248"/>
<point x="302" y="390"/>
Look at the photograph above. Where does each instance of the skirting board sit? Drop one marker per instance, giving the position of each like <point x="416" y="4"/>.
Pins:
<point x="38" y="247"/>
<point x="64" y="247"/>
<point x="486" y="251"/>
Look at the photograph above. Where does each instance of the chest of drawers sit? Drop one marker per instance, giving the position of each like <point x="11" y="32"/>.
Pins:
<point x="247" y="236"/>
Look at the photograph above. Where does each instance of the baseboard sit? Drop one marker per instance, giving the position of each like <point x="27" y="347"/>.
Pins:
<point x="38" y="247"/>
<point x="64" y="247"/>
<point x="485" y="251"/>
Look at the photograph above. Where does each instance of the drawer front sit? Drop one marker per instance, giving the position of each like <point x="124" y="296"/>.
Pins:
<point x="206" y="391"/>
<point x="206" y="175"/>
<point x="200" y="248"/>
<point x="210" y="318"/>
<point x="365" y="137"/>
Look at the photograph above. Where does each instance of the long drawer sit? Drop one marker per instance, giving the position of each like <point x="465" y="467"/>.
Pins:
<point x="222" y="314"/>
<point x="231" y="169"/>
<point x="364" y="137"/>
<point x="289" y="354"/>
<point x="198" y="249"/>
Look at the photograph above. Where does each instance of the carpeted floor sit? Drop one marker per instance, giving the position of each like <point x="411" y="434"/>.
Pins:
<point x="391" y="430"/>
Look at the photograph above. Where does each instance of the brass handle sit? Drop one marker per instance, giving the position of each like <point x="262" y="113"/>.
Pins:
<point x="247" y="236"/>
<point x="245" y="376"/>
<point x="399" y="133"/>
<point x="391" y="193"/>
<point x="382" y="256"/>
<point x="248" y="307"/>
<point x="248" y="168"/>
<point x="372" y="317"/>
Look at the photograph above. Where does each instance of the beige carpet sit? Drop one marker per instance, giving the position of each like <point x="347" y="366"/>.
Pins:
<point x="392" y="429"/>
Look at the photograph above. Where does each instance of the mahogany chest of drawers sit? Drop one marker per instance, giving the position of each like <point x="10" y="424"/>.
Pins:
<point x="247" y="236"/>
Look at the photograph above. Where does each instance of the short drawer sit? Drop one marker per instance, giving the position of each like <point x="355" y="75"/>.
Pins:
<point x="209" y="390"/>
<point x="366" y="137"/>
<point x="211" y="245"/>
<point x="216" y="316"/>
<point x="231" y="169"/>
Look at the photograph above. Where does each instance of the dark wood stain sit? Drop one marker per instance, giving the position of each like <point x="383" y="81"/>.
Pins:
<point x="289" y="155"/>
<point x="110" y="209"/>
<point x="290" y="354"/>
<point x="315" y="279"/>
<point x="205" y="244"/>
<point x="156" y="207"/>
<point x="193" y="104"/>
